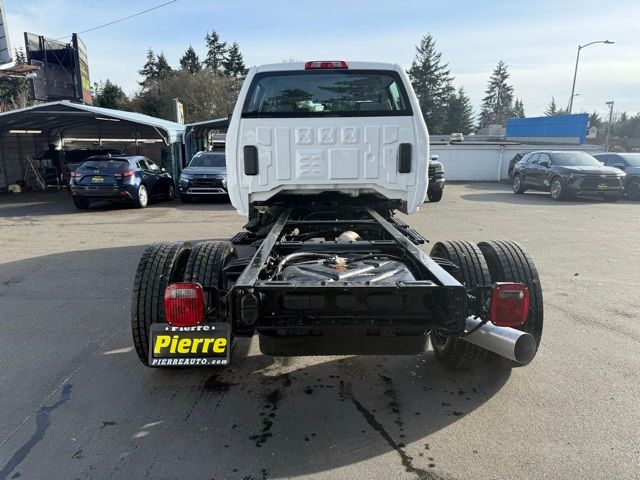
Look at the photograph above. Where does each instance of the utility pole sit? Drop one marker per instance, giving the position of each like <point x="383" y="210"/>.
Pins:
<point x="606" y="142"/>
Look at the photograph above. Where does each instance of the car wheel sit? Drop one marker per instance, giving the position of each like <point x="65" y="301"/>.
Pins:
<point x="451" y="351"/>
<point x="556" y="188"/>
<point x="143" y="197"/>
<point x="186" y="198"/>
<point x="509" y="262"/>
<point x="171" y="195"/>
<point x="633" y="190"/>
<point x="435" y="196"/>
<point x="518" y="186"/>
<point x="81" y="203"/>
<point x="161" y="264"/>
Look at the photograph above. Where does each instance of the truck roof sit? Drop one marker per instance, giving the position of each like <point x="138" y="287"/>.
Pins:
<point x="288" y="66"/>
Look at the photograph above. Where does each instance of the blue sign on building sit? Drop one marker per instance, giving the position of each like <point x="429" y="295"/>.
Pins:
<point x="558" y="126"/>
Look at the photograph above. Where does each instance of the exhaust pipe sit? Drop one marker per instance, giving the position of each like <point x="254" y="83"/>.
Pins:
<point x="505" y="341"/>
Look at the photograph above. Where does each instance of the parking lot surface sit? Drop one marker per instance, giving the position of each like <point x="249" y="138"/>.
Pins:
<point x="76" y="402"/>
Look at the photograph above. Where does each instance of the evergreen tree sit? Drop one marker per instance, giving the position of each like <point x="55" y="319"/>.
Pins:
<point x="497" y="105"/>
<point x="149" y="71"/>
<point x="432" y="83"/>
<point x="627" y="126"/>
<point x="459" y="113"/>
<point x="553" y="109"/>
<point x="595" y="120"/>
<point x="190" y="61"/>
<point x="216" y="51"/>
<point x="156" y="68"/>
<point x="518" y="109"/>
<point x="233" y="64"/>
<point x="109" y="95"/>
<point x="163" y="69"/>
<point x="204" y="94"/>
<point x="21" y="57"/>
<point x="15" y="92"/>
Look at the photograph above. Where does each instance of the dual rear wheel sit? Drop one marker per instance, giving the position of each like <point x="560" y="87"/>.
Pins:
<point x="203" y="263"/>
<point x="483" y="264"/>
<point x="170" y="262"/>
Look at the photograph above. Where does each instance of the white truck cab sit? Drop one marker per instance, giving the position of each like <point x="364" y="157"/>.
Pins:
<point x="327" y="126"/>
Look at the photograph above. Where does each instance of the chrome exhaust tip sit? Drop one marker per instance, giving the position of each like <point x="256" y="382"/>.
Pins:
<point x="505" y="341"/>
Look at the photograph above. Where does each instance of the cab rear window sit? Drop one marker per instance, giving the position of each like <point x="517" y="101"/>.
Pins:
<point x="348" y="93"/>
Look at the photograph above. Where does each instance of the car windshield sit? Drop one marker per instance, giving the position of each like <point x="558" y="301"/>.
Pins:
<point x="326" y="93"/>
<point x="632" y="159"/>
<point x="215" y="160"/>
<point x="575" y="159"/>
<point x="114" y="164"/>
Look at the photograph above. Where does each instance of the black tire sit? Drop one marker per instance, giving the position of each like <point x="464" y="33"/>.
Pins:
<point x="517" y="184"/>
<point x="186" y="198"/>
<point x="556" y="188"/>
<point x="160" y="265"/>
<point x="452" y="352"/>
<point x="81" y="203"/>
<point x="633" y="189"/>
<point x="435" y="196"/>
<point x="171" y="194"/>
<point x="509" y="262"/>
<point x="205" y="266"/>
<point x="143" y="197"/>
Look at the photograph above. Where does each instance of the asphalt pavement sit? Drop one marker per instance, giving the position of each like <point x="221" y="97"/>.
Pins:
<point x="75" y="403"/>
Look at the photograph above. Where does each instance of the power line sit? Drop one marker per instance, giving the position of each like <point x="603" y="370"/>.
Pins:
<point x="123" y="19"/>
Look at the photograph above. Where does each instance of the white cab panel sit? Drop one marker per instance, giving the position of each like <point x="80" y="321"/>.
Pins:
<point x="306" y="156"/>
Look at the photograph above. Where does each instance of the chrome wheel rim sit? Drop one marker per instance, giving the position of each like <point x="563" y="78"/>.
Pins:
<point x="556" y="188"/>
<point x="516" y="182"/>
<point x="439" y="342"/>
<point x="142" y="196"/>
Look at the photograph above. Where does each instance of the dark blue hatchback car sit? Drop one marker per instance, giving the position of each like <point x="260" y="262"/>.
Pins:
<point x="133" y="179"/>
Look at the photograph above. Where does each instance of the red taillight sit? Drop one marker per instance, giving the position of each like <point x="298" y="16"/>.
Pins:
<point x="125" y="174"/>
<point x="326" y="64"/>
<point x="509" y="304"/>
<point x="184" y="304"/>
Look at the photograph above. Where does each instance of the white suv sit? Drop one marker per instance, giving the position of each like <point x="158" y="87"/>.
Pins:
<point x="327" y="126"/>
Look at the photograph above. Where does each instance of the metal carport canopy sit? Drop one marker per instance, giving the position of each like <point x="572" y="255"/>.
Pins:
<point x="196" y="133"/>
<point x="213" y="124"/>
<point x="56" y="117"/>
<point x="27" y="131"/>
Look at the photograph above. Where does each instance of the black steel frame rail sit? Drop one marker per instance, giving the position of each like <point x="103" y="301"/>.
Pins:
<point x="446" y="279"/>
<point x="250" y="274"/>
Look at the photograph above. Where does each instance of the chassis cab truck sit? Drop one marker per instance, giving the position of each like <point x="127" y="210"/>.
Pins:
<point x="320" y="155"/>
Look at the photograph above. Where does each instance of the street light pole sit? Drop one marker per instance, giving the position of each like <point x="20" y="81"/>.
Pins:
<point x="574" y="95"/>
<point x="606" y="141"/>
<point x="575" y="72"/>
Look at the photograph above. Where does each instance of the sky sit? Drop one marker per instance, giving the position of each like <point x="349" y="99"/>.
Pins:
<point x="538" y="39"/>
